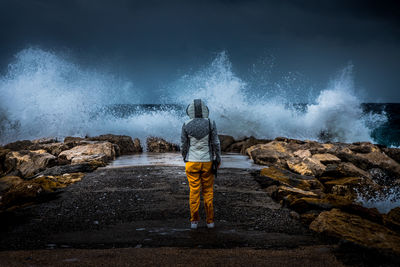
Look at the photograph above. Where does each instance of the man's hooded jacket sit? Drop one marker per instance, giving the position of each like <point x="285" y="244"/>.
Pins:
<point x="199" y="138"/>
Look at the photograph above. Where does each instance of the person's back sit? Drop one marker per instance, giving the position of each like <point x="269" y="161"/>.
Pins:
<point x="200" y="147"/>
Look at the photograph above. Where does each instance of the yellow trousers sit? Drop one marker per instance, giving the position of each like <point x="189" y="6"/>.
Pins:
<point x="200" y="177"/>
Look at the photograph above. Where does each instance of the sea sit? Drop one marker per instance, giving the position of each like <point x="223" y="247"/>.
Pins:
<point x="45" y="94"/>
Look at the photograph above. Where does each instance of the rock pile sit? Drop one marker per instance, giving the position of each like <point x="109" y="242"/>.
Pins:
<point x="159" y="145"/>
<point x="323" y="183"/>
<point x="31" y="169"/>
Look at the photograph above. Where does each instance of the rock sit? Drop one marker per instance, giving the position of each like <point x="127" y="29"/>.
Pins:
<point x="19" y="145"/>
<point x="98" y="160"/>
<point x="272" y="153"/>
<point x="306" y="166"/>
<point x="343" y="186"/>
<point x="29" y="192"/>
<point x="271" y="190"/>
<point x="27" y="163"/>
<point x="3" y="153"/>
<point x="329" y="201"/>
<point x="125" y="143"/>
<point x="393" y="153"/>
<point x="51" y="183"/>
<point x="309" y="216"/>
<point x="53" y="148"/>
<point x="326" y="158"/>
<point x="159" y="145"/>
<point x="302" y="153"/>
<point x="225" y="141"/>
<point x="60" y="170"/>
<point x="276" y="176"/>
<point x="344" y="169"/>
<point x="72" y="141"/>
<point x="7" y="182"/>
<point x="363" y="147"/>
<point x="45" y="140"/>
<point x="104" y="151"/>
<point x="20" y="194"/>
<point x="356" y="229"/>
<point x="392" y="219"/>
<point x="283" y="191"/>
<point x="294" y="215"/>
<point x="242" y="145"/>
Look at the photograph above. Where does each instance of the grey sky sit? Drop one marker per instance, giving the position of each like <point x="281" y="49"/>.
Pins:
<point x="153" y="42"/>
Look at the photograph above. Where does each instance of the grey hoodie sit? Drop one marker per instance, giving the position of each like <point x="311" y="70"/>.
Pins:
<point x="196" y="143"/>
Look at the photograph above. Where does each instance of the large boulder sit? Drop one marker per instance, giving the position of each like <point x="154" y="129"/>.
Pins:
<point x="98" y="153"/>
<point x="3" y="153"/>
<point x="356" y="229"/>
<point x="242" y="145"/>
<point x="344" y="169"/>
<point x="27" y="163"/>
<point x="125" y="143"/>
<point x="45" y="140"/>
<point x="272" y="153"/>
<point x="159" y="145"/>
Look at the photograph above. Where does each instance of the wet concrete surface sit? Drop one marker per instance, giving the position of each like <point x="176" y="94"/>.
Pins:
<point x="147" y="206"/>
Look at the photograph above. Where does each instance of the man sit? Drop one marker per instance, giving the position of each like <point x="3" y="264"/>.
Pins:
<point x="200" y="147"/>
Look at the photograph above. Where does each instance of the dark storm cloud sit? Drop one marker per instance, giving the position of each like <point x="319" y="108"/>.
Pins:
<point x="152" y="41"/>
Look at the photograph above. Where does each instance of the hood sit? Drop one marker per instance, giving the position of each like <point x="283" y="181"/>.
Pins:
<point x="197" y="109"/>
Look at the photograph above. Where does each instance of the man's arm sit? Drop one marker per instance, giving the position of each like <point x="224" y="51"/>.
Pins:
<point x="184" y="143"/>
<point x="215" y="143"/>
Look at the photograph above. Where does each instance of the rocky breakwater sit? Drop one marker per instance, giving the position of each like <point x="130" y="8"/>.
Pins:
<point x="32" y="170"/>
<point x="325" y="185"/>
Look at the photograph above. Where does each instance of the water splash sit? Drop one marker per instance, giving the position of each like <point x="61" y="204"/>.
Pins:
<point x="384" y="201"/>
<point x="44" y="94"/>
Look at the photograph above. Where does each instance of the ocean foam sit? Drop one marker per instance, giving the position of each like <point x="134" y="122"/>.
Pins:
<point x="45" y="94"/>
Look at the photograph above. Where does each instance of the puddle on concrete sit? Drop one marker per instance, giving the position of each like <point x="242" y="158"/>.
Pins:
<point x="229" y="160"/>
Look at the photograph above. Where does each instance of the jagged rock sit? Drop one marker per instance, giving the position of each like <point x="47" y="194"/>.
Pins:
<point x="392" y="219"/>
<point x="45" y="140"/>
<point x="7" y="182"/>
<point x="363" y="147"/>
<point x="125" y="143"/>
<point x="344" y="169"/>
<point x="19" y="145"/>
<point x="159" y="145"/>
<point x="283" y="191"/>
<point x="51" y="183"/>
<point x="272" y="153"/>
<point x="242" y="145"/>
<point x="306" y="166"/>
<point x="98" y="160"/>
<point x="60" y="170"/>
<point x="356" y="229"/>
<point x="52" y="148"/>
<point x="3" y="153"/>
<point x="329" y="201"/>
<point x="393" y="153"/>
<point x="343" y="186"/>
<point x="283" y="177"/>
<point x="72" y="141"/>
<point x="19" y="194"/>
<point x="225" y="141"/>
<point x="29" y="192"/>
<point x="326" y="158"/>
<point x="302" y="153"/>
<point x="27" y="163"/>
<point x="309" y="216"/>
<point x="104" y="151"/>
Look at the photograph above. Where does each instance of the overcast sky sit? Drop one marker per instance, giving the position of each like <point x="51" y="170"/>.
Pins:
<point x="154" y="42"/>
